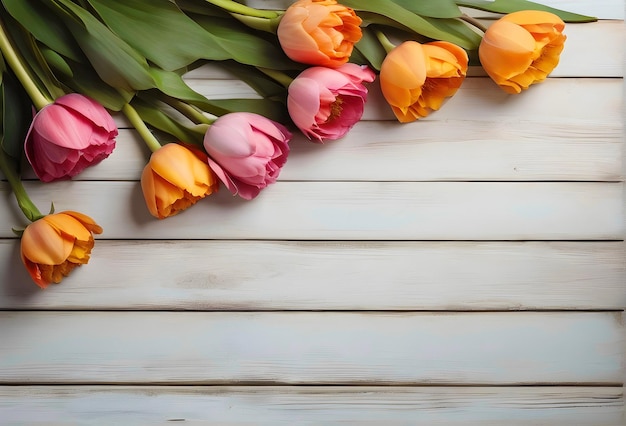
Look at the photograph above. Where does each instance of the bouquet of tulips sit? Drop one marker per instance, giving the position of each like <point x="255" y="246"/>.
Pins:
<point x="67" y="66"/>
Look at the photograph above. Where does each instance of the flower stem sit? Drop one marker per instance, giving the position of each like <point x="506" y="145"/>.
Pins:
<point x="234" y="7"/>
<point x="473" y="21"/>
<point x="11" y="56"/>
<point x="27" y="206"/>
<point x="384" y="41"/>
<point x="151" y="141"/>
<point x="187" y="110"/>
<point x="278" y="76"/>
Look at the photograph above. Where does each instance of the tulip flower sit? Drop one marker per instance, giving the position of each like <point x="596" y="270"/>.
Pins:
<point x="54" y="245"/>
<point x="175" y="178"/>
<point x="319" y="32"/>
<point x="246" y="151"/>
<point x="522" y="48"/>
<point x="417" y="78"/>
<point x="67" y="136"/>
<point x="325" y="103"/>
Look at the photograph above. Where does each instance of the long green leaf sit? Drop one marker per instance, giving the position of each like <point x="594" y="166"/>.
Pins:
<point x="431" y="8"/>
<point x="509" y="6"/>
<point x="160" y="31"/>
<point x="117" y="64"/>
<point x="389" y="10"/>
<point x="371" y="49"/>
<point x="35" y="17"/>
<point x="244" y="45"/>
<point x="16" y="112"/>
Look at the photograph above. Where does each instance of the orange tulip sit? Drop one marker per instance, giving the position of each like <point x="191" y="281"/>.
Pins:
<point x="522" y="48"/>
<point x="54" y="245"/>
<point x="175" y="178"/>
<point x="319" y="32"/>
<point x="417" y="78"/>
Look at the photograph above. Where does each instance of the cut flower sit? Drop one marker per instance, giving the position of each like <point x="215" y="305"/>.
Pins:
<point x="522" y="48"/>
<point x="325" y="103"/>
<point x="417" y="78"/>
<point x="67" y="136"/>
<point x="54" y="245"/>
<point x="319" y="32"/>
<point x="247" y="151"/>
<point x="175" y="178"/>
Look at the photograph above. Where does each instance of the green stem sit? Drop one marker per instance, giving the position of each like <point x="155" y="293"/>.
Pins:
<point x="262" y="24"/>
<point x="11" y="56"/>
<point x="234" y="7"/>
<point x="473" y="21"/>
<point x="27" y="206"/>
<point x="151" y="141"/>
<point x="187" y="110"/>
<point x="384" y="41"/>
<point x="278" y="76"/>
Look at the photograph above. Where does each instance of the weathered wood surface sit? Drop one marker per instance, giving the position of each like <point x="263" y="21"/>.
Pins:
<point x="323" y="275"/>
<point x="270" y="405"/>
<point x="379" y="282"/>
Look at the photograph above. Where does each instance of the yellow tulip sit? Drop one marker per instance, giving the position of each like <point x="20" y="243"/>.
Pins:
<point x="175" y="178"/>
<point x="54" y="245"/>
<point x="415" y="78"/>
<point x="522" y="48"/>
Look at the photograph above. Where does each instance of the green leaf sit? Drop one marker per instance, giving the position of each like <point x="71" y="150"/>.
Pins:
<point x="117" y="64"/>
<point x="244" y="45"/>
<point x="17" y="114"/>
<point x="432" y="8"/>
<point x="458" y="28"/>
<point x="371" y="49"/>
<point x="509" y="6"/>
<point x="156" y="118"/>
<point x="388" y="10"/>
<point x="160" y="31"/>
<point x="35" y="17"/>
<point x="260" y="82"/>
<point x="271" y="109"/>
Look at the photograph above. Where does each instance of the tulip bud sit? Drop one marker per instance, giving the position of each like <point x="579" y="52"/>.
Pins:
<point x="246" y="151"/>
<point x="325" y="103"/>
<point x="522" y="48"/>
<point x="319" y="32"/>
<point x="67" y="136"/>
<point x="54" y="245"/>
<point x="417" y="78"/>
<point x="175" y="178"/>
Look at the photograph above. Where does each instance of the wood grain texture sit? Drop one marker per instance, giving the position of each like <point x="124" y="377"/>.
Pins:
<point x="353" y="211"/>
<point x="311" y="348"/>
<point x="286" y="275"/>
<point x="269" y="405"/>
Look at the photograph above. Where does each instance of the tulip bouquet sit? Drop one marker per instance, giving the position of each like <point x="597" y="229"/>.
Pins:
<point x="67" y="66"/>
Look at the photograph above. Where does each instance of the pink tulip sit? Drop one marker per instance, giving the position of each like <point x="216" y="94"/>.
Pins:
<point x="324" y="103"/>
<point x="246" y="151"/>
<point x="69" y="135"/>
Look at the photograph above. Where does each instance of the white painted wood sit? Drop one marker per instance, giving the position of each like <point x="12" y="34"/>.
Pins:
<point x="352" y="210"/>
<point x="283" y="275"/>
<point x="469" y="150"/>
<point x="269" y="405"/>
<point x="311" y="348"/>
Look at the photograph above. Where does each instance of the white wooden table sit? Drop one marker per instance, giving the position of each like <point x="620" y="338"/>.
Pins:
<point x="468" y="269"/>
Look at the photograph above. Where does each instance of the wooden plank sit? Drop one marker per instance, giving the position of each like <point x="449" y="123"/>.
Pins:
<point x="311" y="348"/>
<point x="352" y="211"/>
<point x="267" y="275"/>
<point x="428" y="151"/>
<point x="269" y="405"/>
